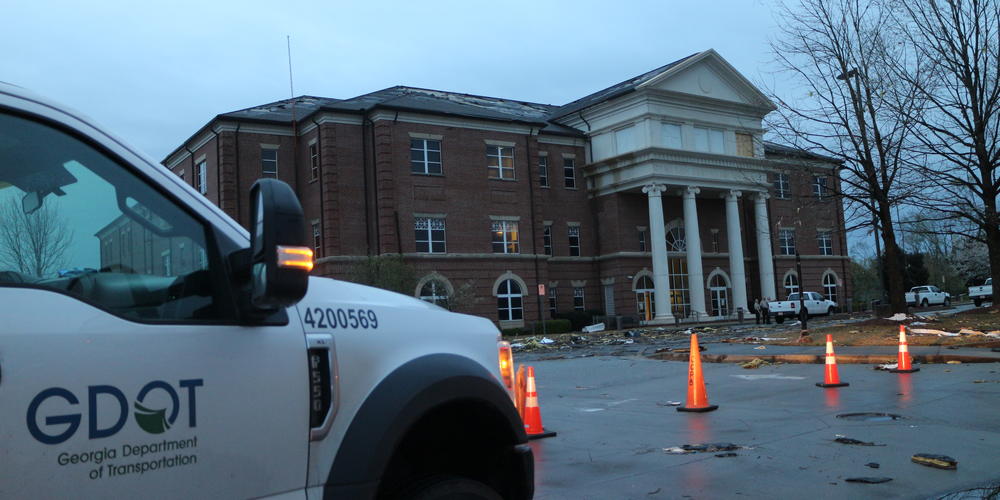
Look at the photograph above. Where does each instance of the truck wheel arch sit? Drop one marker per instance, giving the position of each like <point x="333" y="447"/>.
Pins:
<point x="401" y="401"/>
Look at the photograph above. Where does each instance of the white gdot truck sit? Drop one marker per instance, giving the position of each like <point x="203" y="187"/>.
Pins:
<point x="927" y="295"/>
<point x="815" y="305"/>
<point x="151" y="347"/>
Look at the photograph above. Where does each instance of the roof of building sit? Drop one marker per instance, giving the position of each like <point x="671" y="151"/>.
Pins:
<point x="774" y="148"/>
<point x="617" y="90"/>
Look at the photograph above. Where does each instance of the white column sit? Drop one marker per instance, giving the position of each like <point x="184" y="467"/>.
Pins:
<point x="692" y="236"/>
<point x="765" y="258"/>
<point x="735" y="237"/>
<point x="661" y="278"/>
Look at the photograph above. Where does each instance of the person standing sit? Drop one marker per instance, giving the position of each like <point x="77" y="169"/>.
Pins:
<point x="756" y="311"/>
<point x="765" y="310"/>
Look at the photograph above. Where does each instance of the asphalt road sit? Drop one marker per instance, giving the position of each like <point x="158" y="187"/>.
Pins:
<point x="613" y="420"/>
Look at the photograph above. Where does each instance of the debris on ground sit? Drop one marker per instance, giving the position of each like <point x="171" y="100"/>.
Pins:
<point x="868" y="480"/>
<point x="969" y="331"/>
<point x="986" y="381"/>
<point x="887" y="366"/>
<point x="918" y="323"/>
<point x="754" y="363"/>
<point x="669" y="403"/>
<point x="953" y="362"/>
<point x="546" y="340"/>
<point x="846" y="440"/>
<point x="928" y="331"/>
<point x="703" y="448"/>
<point x="597" y="327"/>
<point x="657" y="490"/>
<point x="728" y="454"/>
<point x="936" y="461"/>
<point x="760" y="348"/>
<point x="898" y="317"/>
<point x="873" y="465"/>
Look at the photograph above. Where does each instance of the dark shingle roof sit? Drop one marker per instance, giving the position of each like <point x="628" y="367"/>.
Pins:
<point x="616" y="90"/>
<point x="773" y="148"/>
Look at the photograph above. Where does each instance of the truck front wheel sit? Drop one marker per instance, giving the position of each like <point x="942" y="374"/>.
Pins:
<point x="947" y="301"/>
<point x="924" y="303"/>
<point x="449" y="488"/>
<point x="978" y="301"/>
<point x="779" y="319"/>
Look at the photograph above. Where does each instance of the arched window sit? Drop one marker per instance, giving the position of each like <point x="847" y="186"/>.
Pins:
<point x="435" y="292"/>
<point x="643" y="288"/>
<point x="718" y="287"/>
<point x="675" y="239"/>
<point x="509" y="307"/>
<point x="830" y="286"/>
<point x="791" y="283"/>
<point x="680" y="304"/>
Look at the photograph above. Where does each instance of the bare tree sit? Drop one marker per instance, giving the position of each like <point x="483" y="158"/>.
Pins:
<point x="959" y="120"/>
<point x="833" y="53"/>
<point x="33" y="244"/>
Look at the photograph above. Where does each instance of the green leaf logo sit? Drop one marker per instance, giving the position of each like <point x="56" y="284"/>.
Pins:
<point x="151" y="421"/>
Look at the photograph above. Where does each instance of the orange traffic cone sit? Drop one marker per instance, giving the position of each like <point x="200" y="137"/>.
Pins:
<point x="903" y="363"/>
<point x="831" y="379"/>
<point x="532" y="413"/>
<point x="697" y="398"/>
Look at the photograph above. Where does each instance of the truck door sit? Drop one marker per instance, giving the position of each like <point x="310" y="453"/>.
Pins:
<point x="124" y="371"/>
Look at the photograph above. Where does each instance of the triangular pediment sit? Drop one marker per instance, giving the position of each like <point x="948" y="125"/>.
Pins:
<point x="709" y="75"/>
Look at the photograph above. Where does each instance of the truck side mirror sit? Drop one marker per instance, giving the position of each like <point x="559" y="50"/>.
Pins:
<point x="280" y="261"/>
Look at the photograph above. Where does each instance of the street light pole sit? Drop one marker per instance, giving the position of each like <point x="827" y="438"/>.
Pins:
<point x="803" y="314"/>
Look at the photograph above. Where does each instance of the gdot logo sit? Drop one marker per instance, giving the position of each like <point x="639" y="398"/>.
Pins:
<point x="106" y="400"/>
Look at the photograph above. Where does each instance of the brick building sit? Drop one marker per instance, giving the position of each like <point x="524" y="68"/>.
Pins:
<point x="488" y="198"/>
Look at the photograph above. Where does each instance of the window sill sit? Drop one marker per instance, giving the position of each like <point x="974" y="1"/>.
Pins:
<point x="501" y="179"/>
<point x="426" y="174"/>
<point x="571" y="188"/>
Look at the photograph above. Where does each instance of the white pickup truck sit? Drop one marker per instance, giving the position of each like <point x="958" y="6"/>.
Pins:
<point x="154" y="348"/>
<point x="815" y="304"/>
<point x="927" y="295"/>
<point x="982" y="293"/>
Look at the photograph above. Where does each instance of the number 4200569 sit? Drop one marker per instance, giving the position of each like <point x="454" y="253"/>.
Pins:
<point x="330" y="318"/>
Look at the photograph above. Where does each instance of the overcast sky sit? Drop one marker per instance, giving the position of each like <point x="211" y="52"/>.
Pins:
<point x="154" y="74"/>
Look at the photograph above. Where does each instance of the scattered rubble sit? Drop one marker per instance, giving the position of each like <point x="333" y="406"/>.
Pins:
<point x="873" y="465"/>
<point x="868" y="480"/>
<point x="846" y="440"/>
<point x="703" y="448"/>
<point x="936" y="461"/>
<point x="754" y="363"/>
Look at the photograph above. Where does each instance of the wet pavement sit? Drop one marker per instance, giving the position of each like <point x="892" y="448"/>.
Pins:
<point x="614" y="419"/>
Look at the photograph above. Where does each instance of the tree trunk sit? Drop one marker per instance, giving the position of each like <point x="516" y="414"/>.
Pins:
<point x="992" y="230"/>
<point x="893" y="263"/>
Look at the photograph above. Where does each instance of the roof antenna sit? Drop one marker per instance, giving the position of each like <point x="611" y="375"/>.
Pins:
<point x="291" y="88"/>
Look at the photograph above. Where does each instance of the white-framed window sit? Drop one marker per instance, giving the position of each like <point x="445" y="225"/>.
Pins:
<point x="425" y="156"/>
<point x="435" y="292"/>
<point x="719" y="290"/>
<point x="269" y="163"/>
<point x="201" y="173"/>
<point x="574" y="240"/>
<point x="672" y="137"/>
<point x="786" y="241"/>
<point x="791" y="283"/>
<point x="500" y="160"/>
<point x="552" y="301"/>
<point x="505" y="236"/>
<point x="625" y="139"/>
<point x="715" y="241"/>
<point x="547" y="239"/>
<point x="709" y="140"/>
<point x="675" y="239"/>
<point x="429" y="234"/>
<point x="819" y="187"/>
<point x="317" y="240"/>
<point x="569" y="172"/>
<point x="781" y="186"/>
<point x="578" y="299"/>
<point x="825" y="241"/>
<point x="830" y="286"/>
<point x="543" y="171"/>
<point x="642" y="240"/>
<point x="314" y="161"/>
<point x="509" y="298"/>
<point x="644" y="289"/>
<point x="680" y="299"/>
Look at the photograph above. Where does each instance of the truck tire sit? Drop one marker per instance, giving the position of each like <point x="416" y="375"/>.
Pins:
<point x="923" y="303"/>
<point x="829" y="311"/>
<point x="947" y="301"/>
<point x="779" y="319"/>
<point x="978" y="301"/>
<point x="450" y="488"/>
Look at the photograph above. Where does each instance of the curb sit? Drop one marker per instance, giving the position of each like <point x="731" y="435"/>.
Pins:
<point x="821" y="358"/>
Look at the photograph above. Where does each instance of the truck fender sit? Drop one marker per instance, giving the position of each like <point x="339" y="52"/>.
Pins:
<point x="398" y="402"/>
